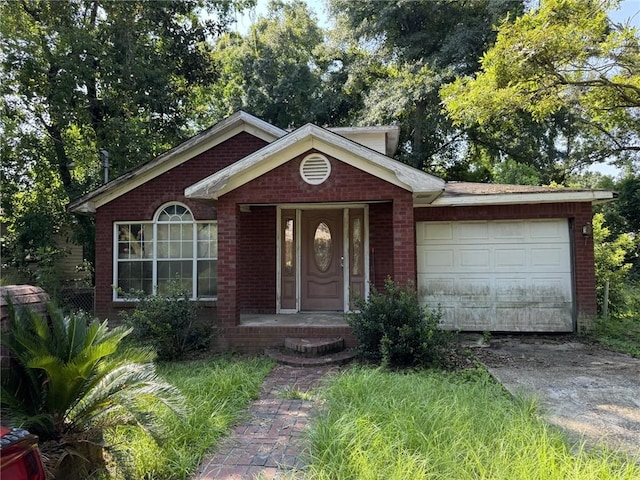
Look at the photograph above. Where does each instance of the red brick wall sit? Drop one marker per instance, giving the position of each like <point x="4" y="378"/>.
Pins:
<point x="579" y="214"/>
<point x="284" y="184"/>
<point x="256" y="338"/>
<point x="346" y="184"/>
<point x="257" y="265"/>
<point x="380" y="242"/>
<point x="142" y="202"/>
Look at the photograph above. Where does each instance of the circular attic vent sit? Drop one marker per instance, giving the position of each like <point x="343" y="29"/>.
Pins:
<point x="315" y="168"/>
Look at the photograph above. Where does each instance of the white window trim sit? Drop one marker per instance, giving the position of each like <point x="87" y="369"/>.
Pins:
<point x="154" y="258"/>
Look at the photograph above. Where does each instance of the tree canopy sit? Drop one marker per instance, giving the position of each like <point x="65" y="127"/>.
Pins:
<point x="409" y="51"/>
<point x="567" y="69"/>
<point x="483" y="90"/>
<point x="273" y="70"/>
<point x="85" y="81"/>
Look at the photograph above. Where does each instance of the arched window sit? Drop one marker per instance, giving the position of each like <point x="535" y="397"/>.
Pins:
<point x="172" y="246"/>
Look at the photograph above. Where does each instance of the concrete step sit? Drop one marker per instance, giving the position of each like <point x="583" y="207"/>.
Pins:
<point x="297" y="360"/>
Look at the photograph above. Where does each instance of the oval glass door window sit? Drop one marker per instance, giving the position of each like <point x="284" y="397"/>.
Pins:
<point x="322" y="246"/>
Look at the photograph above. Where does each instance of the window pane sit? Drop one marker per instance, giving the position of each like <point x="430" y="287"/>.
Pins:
<point x="288" y="246"/>
<point x="168" y="269"/>
<point x="323" y="247"/>
<point x="175" y="213"/>
<point x="356" y="246"/>
<point x="175" y="269"/>
<point x="134" y="241"/>
<point x="187" y="232"/>
<point x="187" y="249"/>
<point x="175" y="241"/>
<point x="135" y="276"/>
<point x="207" y="240"/>
<point x="207" y="278"/>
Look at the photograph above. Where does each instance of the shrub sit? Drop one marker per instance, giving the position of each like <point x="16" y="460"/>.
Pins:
<point x="611" y="255"/>
<point x="392" y="328"/>
<point x="70" y="378"/>
<point x="168" y="322"/>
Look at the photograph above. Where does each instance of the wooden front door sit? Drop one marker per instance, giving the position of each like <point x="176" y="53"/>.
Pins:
<point x="322" y="282"/>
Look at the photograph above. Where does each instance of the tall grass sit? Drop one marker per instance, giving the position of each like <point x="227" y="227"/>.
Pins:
<point x="620" y="333"/>
<point x="217" y="391"/>
<point x="379" y="425"/>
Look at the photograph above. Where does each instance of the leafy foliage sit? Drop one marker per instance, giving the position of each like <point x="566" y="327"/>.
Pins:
<point x="168" y="322"/>
<point x="71" y="375"/>
<point x="621" y="331"/>
<point x="393" y="328"/>
<point x="406" y="52"/>
<point x="565" y="67"/>
<point x="610" y="262"/>
<point x="275" y="70"/>
<point x="85" y="76"/>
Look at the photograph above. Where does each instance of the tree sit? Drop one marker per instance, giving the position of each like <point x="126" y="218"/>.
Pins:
<point x="611" y="261"/>
<point x="273" y="71"/>
<point x="411" y="50"/>
<point x="86" y="76"/>
<point x="567" y="68"/>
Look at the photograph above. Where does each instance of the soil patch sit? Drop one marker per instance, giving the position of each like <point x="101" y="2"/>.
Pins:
<point x="591" y="393"/>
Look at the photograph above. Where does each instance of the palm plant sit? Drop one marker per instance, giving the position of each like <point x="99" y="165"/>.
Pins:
<point x="72" y="375"/>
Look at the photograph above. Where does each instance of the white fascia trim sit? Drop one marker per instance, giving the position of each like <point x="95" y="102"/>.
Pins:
<point x="300" y="141"/>
<point x="415" y="180"/>
<point x="520" y="198"/>
<point x="219" y="133"/>
<point x="392" y="134"/>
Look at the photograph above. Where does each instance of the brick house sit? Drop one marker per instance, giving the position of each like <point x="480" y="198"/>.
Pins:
<point x="275" y="232"/>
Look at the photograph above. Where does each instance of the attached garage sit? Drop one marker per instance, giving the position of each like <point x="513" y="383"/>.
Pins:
<point x="498" y="275"/>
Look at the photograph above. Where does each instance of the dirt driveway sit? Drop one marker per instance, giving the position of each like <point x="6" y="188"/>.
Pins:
<point x="591" y="393"/>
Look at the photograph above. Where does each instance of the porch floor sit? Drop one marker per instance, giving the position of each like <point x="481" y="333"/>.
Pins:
<point x="311" y="319"/>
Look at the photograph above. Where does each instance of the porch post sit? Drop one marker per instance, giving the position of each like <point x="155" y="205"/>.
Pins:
<point x="228" y="307"/>
<point x="404" y="241"/>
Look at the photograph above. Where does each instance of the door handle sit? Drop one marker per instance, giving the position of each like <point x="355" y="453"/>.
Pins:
<point x="341" y="262"/>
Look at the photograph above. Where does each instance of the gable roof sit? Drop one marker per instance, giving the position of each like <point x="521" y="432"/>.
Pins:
<point x="220" y="132"/>
<point x="308" y="137"/>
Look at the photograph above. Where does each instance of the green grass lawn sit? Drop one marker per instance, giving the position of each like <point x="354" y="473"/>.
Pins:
<point x="217" y="391"/>
<point x="373" y="424"/>
<point x="429" y="425"/>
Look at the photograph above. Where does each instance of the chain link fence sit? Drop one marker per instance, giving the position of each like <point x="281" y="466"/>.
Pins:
<point x="76" y="298"/>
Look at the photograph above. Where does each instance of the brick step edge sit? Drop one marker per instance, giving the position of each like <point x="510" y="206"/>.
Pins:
<point x="340" y="358"/>
<point x="311" y="347"/>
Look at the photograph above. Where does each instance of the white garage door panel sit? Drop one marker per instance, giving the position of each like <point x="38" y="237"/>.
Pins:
<point x="496" y="258"/>
<point x="497" y="275"/>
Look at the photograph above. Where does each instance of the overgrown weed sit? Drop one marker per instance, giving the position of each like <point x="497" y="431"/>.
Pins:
<point x="217" y="391"/>
<point x="428" y="424"/>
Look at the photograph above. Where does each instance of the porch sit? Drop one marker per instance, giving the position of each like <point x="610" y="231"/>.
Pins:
<point x="304" y="319"/>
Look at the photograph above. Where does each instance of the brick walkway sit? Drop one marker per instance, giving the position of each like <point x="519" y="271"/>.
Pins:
<point x="269" y="443"/>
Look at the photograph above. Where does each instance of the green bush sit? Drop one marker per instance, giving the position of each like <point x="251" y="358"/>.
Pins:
<point x="392" y="328"/>
<point x="168" y="322"/>
<point x="70" y="377"/>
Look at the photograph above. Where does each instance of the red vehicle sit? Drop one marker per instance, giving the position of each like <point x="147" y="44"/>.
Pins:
<point x="19" y="455"/>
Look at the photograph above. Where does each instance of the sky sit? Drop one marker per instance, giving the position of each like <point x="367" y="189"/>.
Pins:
<point x="629" y="10"/>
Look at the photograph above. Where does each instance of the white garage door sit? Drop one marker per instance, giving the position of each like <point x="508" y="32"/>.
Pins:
<point x="510" y="275"/>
